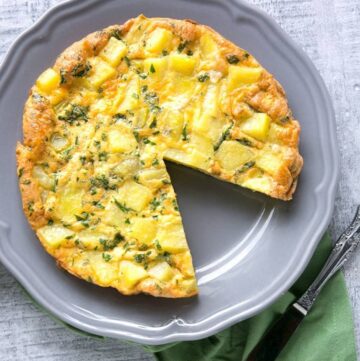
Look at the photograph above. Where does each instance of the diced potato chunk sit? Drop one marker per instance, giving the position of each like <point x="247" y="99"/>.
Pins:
<point x="202" y="145"/>
<point x="48" y="80"/>
<point x="134" y="195"/>
<point x="113" y="216"/>
<point x="57" y="95"/>
<point x="131" y="274"/>
<point x="143" y="229"/>
<point x="131" y="99"/>
<point x="231" y="155"/>
<point x="69" y="204"/>
<point x="114" y="51"/>
<point x="189" y="285"/>
<point x="171" y="122"/>
<point x="121" y="139"/>
<point x="208" y="46"/>
<point x="257" y="126"/>
<point x="176" y="155"/>
<point x="100" y="72"/>
<point x="159" y="40"/>
<point x="198" y="160"/>
<point x="90" y="239"/>
<point x="44" y="180"/>
<point x="269" y="163"/>
<point x="156" y="66"/>
<point x="153" y="177"/>
<point x="54" y="235"/>
<point x="240" y="75"/>
<point x="127" y="167"/>
<point x="210" y="104"/>
<point x="162" y="271"/>
<point x="208" y="125"/>
<point x="106" y="272"/>
<point x="184" y="263"/>
<point x="260" y="184"/>
<point x="171" y="234"/>
<point x="182" y="63"/>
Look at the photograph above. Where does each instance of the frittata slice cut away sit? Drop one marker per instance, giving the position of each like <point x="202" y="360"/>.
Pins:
<point x="98" y="125"/>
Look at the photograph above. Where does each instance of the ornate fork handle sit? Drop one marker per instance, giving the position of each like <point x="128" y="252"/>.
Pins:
<point x="343" y="248"/>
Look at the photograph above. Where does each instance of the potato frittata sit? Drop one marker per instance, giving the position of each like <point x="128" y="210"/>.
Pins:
<point x="98" y="124"/>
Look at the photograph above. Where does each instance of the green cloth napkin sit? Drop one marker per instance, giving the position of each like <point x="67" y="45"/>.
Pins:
<point x="326" y="334"/>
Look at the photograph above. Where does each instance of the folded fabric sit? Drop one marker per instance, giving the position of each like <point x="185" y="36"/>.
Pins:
<point x="326" y="334"/>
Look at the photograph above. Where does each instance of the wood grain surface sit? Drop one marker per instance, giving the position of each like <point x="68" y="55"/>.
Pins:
<point x="329" y="32"/>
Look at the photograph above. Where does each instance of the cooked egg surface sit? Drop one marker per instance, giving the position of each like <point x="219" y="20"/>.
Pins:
<point x="99" y="124"/>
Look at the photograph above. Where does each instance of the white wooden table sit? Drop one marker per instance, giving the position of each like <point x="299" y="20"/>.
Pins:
<point x="329" y="31"/>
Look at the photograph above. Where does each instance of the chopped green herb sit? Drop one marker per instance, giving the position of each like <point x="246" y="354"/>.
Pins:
<point x="182" y="46"/>
<point x="142" y="75"/>
<point x="157" y="245"/>
<point x="152" y="68"/>
<point x="122" y="206"/>
<point x="50" y="222"/>
<point x="246" y="166"/>
<point x="148" y="141"/>
<point x="80" y="70"/>
<point x="203" y="77"/>
<point x="189" y="53"/>
<point x="30" y="207"/>
<point x="166" y="181"/>
<point x="21" y="172"/>
<point x="232" y="59"/>
<point x="184" y="134"/>
<point x="155" y="203"/>
<point x="144" y="88"/>
<point x="103" y="156"/>
<point x="116" y="33"/>
<point x="97" y="204"/>
<point x="101" y="182"/>
<point x="127" y="61"/>
<point x="245" y="141"/>
<point x="285" y="119"/>
<point x="152" y="100"/>
<point x="27" y="182"/>
<point x="155" y="162"/>
<point x="82" y="159"/>
<point x="175" y="205"/>
<point x="62" y="76"/>
<point x="143" y="247"/>
<point x="127" y="221"/>
<point x="117" y="117"/>
<point x="83" y="218"/>
<point x="223" y="137"/>
<point x="136" y="135"/>
<point x="106" y="257"/>
<point x="111" y="244"/>
<point x="164" y="52"/>
<point x="74" y="113"/>
<point x="139" y="258"/>
<point x="165" y="256"/>
<point x="153" y="123"/>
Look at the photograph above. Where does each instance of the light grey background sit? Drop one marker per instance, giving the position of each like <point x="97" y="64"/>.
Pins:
<point x="329" y="31"/>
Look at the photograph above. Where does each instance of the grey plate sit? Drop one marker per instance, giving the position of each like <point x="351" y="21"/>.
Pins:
<point x="248" y="249"/>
